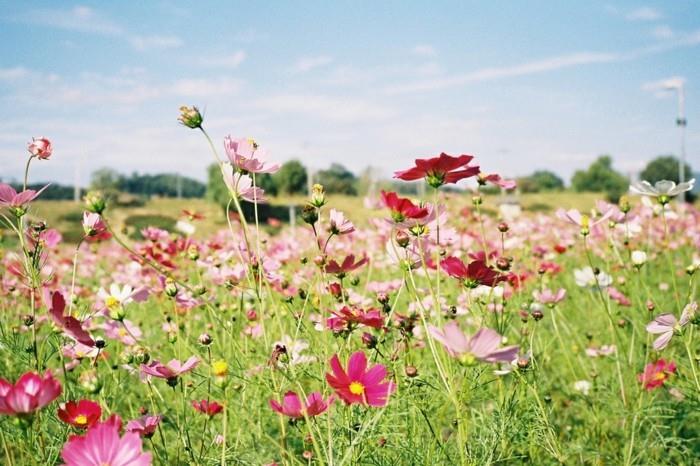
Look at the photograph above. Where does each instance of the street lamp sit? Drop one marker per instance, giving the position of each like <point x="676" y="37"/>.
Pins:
<point x="678" y="84"/>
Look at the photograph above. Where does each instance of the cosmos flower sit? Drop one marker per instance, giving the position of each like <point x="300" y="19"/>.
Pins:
<point x="475" y="274"/>
<point x="402" y="208"/>
<point x="145" y="426"/>
<point x="662" y="190"/>
<point x="14" y="200"/>
<point x="118" y="297"/>
<point x="656" y="374"/>
<point x="346" y="318"/>
<point x="170" y="371"/>
<point x="483" y="346"/>
<point x="40" y="148"/>
<point x="293" y="407"/>
<point x="240" y="186"/>
<point x="587" y="278"/>
<point x="210" y="408"/>
<point x="348" y="265"/>
<point x="71" y="326"/>
<point x="102" y="445"/>
<point x="81" y="414"/>
<point x="667" y="324"/>
<point x="93" y="225"/>
<point x="495" y="179"/>
<point x="359" y="385"/>
<point x="294" y="350"/>
<point x="583" y="221"/>
<point x="547" y="296"/>
<point x="440" y="170"/>
<point x="338" y="224"/>
<point x="29" y="394"/>
<point x="245" y="155"/>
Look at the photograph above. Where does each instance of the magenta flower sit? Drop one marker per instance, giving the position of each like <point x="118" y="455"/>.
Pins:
<point x="359" y="385"/>
<point x="347" y="318"/>
<point x="102" y="445"/>
<point x="29" y="394"/>
<point x="245" y="156"/>
<point x="293" y="407"/>
<point x="71" y="326"/>
<point x="241" y="186"/>
<point x="483" y="346"/>
<point x="93" y="224"/>
<point x="170" y="371"/>
<point x="440" y="170"/>
<point x="14" y="200"/>
<point x="656" y="373"/>
<point x="40" y="148"/>
<point x="667" y="324"/>
<point x="145" y="426"/>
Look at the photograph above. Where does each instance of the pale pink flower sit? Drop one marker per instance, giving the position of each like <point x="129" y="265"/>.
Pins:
<point x="14" y="200"/>
<point x="667" y="324"/>
<point x="40" y="148"/>
<point x="169" y="371"/>
<point x="241" y="186"/>
<point x="245" y="155"/>
<point x="547" y="296"/>
<point x="338" y="224"/>
<point x="482" y="346"/>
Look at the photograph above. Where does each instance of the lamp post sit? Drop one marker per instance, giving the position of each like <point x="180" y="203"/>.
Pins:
<point x="679" y="86"/>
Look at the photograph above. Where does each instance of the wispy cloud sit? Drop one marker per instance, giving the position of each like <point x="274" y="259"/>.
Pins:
<point x="490" y="74"/>
<point x="155" y="42"/>
<point x="424" y="50"/>
<point x="662" y="32"/>
<point x="306" y="64"/>
<point x="10" y="74"/>
<point x="644" y="13"/>
<point x="325" y="107"/>
<point x="661" y="88"/>
<point x="225" y="61"/>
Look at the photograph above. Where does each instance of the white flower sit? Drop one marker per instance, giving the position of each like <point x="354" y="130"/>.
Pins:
<point x="661" y="188"/>
<point x="583" y="386"/>
<point x="186" y="228"/>
<point x="639" y="258"/>
<point x="586" y="278"/>
<point x="295" y="348"/>
<point x="117" y="296"/>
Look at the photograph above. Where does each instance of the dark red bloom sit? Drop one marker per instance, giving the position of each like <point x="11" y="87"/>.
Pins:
<point x="475" y="274"/>
<point x="81" y="414"/>
<point x="69" y="324"/>
<point x="402" y="208"/>
<point x="346" y="318"/>
<point x="440" y="170"/>
<point x="210" y="408"/>
<point x="656" y="373"/>
<point x="348" y="265"/>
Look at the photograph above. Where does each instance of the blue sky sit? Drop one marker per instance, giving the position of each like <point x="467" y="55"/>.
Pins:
<point x="521" y="85"/>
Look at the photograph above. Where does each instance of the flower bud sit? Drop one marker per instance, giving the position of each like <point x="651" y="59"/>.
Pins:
<point x="502" y="264"/>
<point x="95" y="202"/>
<point x="40" y="148"/>
<point x="625" y="204"/>
<point x="411" y="371"/>
<point x="503" y="227"/>
<point x="309" y="214"/>
<point x="205" y="339"/>
<point x="190" y="117"/>
<point x="318" y="196"/>
<point x="638" y="258"/>
<point x="170" y="288"/>
<point x="537" y="314"/>
<point x="193" y="252"/>
<point x="335" y="290"/>
<point x="402" y="238"/>
<point x="369" y="340"/>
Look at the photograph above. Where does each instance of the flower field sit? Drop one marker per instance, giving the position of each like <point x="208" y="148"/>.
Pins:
<point x="442" y="330"/>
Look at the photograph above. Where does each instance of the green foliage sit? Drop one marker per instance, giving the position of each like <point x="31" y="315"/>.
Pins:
<point x="601" y="177"/>
<point x="291" y="178"/>
<point x="163" y="184"/>
<point x="338" y="180"/>
<point x="664" y="167"/>
<point x="541" y="180"/>
<point x="139" y="222"/>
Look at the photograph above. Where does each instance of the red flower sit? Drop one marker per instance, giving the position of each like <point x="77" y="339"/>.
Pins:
<point x="83" y="414"/>
<point x="656" y="373"/>
<point x="293" y="407"/>
<point x="346" y="318"/>
<point x="402" y="208"/>
<point x="440" y="170"/>
<point x="348" y="265"/>
<point x="210" y="408"/>
<point x="475" y="274"/>
<point x="69" y="324"/>
<point x="359" y="385"/>
<point x="30" y="393"/>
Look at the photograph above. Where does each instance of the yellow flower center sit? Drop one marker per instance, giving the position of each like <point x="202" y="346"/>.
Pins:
<point x="80" y="420"/>
<point x="660" y="376"/>
<point x="111" y="302"/>
<point x="219" y="368"/>
<point x="356" y="388"/>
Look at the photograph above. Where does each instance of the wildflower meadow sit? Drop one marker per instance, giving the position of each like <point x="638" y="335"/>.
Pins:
<point x="446" y="329"/>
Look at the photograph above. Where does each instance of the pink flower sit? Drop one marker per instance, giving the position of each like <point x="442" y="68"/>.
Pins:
<point x="40" y="148"/>
<point x="359" y="385"/>
<point x="483" y="178"/>
<point x="101" y="445"/>
<point x="144" y="426"/>
<point x="245" y="156"/>
<point x="14" y="200"/>
<point x="339" y="225"/>
<point x="81" y="414"/>
<point x="656" y="373"/>
<point x="475" y="274"/>
<point x="619" y="297"/>
<point x="170" y="371"/>
<point x="346" y="318"/>
<point x="584" y="221"/>
<point x="93" y="224"/>
<point x="348" y="265"/>
<point x="546" y="296"/>
<point x="241" y="186"/>
<point x="71" y="326"/>
<point x="293" y="407"/>
<point x="483" y="346"/>
<point x="667" y="324"/>
<point x="30" y="393"/>
<point x="210" y="408"/>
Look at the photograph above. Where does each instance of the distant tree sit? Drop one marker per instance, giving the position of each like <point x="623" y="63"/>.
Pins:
<point x="291" y="178"/>
<point x="601" y="177"/>
<point x="216" y="189"/>
<point x="338" y="179"/>
<point x="105" y="179"/>
<point x="165" y="184"/>
<point x="541" y="180"/>
<point x="664" y="167"/>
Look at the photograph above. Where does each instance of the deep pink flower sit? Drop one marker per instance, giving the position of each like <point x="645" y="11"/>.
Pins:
<point x="475" y="274"/>
<point x="101" y="445"/>
<point x="440" y="170"/>
<point x="93" y="224"/>
<point x="40" y="148"/>
<point x="346" y="318"/>
<point x="348" y="265"/>
<point x="483" y="346"/>
<point x="170" y="371"/>
<point x="210" y="408"/>
<point x="656" y="373"/>
<point x="402" y="208"/>
<point x="30" y="393"/>
<point x="14" y="200"/>
<point x="81" y="414"/>
<point x="245" y="155"/>
<point x="359" y="385"/>
<point x="145" y="426"/>
<point x="71" y="326"/>
<point x="293" y="407"/>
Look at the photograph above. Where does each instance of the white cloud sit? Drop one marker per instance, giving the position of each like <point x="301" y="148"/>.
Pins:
<point x="662" y="88"/>
<point x="10" y="74"/>
<point x="325" y="107"/>
<point x="424" y="50"/>
<point x="662" y="32"/>
<point x="154" y="42"/>
<point x="490" y="74"/>
<point x="306" y="64"/>
<point x="206" y="87"/>
<point x="644" y="13"/>
<point x="225" y="61"/>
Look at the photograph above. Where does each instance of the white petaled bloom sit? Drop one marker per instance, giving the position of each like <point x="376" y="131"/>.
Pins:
<point x="117" y="296"/>
<point x="663" y="188"/>
<point x="587" y="278"/>
<point x="583" y="386"/>
<point x="186" y="228"/>
<point x="295" y="348"/>
<point x="241" y="186"/>
<point x="638" y="258"/>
